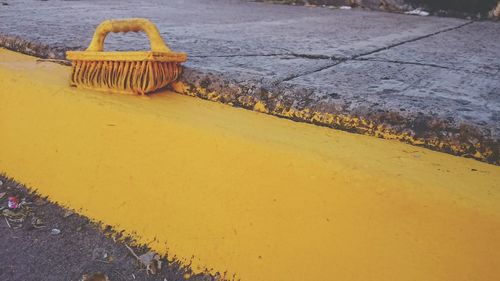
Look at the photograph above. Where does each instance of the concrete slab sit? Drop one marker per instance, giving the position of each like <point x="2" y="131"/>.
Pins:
<point x="337" y="33"/>
<point x="216" y="28"/>
<point x="474" y="48"/>
<point x="426" y="102"/>
<point x="273" y="68"/>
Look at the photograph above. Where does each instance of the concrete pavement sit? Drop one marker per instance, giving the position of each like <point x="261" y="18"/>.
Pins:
<point x="428" y="81"/>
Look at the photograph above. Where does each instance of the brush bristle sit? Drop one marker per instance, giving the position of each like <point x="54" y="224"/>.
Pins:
<point x="138" y="77"/>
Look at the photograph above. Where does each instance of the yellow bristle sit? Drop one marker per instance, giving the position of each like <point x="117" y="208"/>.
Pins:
<point x="138" y="77"/>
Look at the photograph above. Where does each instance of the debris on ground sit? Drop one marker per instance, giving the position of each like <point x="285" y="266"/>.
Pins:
<point x="67" y="213"/>
<point x="37" y="222"/>
<point x="14" y="219"/>
<point x="150" y="260"/>
<point x="101" y="255"/>
<point x="95" y="277"/>
<point x="417" y="12"/>
<point x="33" y="226"/>
<point x="13" y="202"/>
<point x="18" y="209"/>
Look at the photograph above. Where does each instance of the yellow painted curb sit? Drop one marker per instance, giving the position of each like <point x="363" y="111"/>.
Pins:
<point x="238" y="191"/>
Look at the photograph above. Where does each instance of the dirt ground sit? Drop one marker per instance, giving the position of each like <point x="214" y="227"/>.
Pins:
<point x="32" y="248"/>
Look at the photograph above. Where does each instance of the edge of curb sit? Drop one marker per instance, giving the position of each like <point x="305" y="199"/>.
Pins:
<point x="291" y="102"/>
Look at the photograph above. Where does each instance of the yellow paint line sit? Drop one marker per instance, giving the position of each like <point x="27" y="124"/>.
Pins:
<point x="239" y="191"/>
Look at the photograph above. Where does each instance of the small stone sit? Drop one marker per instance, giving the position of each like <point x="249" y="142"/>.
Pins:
<point x="55" y="231"/>
<point x="100" y="254"/>
<point x="67" y="213"/>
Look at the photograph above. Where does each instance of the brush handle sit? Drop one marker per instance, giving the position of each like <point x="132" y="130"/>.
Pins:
<point x="128" y="25"/>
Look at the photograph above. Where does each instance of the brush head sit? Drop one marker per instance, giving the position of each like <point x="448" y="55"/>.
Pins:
<point x="125" y="72"/>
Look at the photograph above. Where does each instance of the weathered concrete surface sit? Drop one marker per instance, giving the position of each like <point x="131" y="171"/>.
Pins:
<point x="475" y="9"/>
<point x="413" y="102"/>
<point x="417" y="79"/>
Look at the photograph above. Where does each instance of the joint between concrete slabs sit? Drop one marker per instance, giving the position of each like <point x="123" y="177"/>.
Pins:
<point x="360" y="56"/>
<point x="413" y="40"/>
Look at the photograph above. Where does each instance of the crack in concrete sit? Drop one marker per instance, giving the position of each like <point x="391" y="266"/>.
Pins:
<point x="423" y="64"/>
<point x="358" y="57"/>
<point x="291" y="77"/>
<point x="241" y="55"/>
<point x="298" y="55"/>
<point x="407" y="62"/>
<point x="411" y="40"/>
<point x="315" y="57"/>
<point x="337" y="59"/>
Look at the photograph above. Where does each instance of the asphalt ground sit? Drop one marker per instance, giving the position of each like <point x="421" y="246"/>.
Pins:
<point x="33" y="251"/>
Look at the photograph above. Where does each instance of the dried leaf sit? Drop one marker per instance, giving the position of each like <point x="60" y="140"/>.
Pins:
<point x="37" y="222"/>
<point x="147" y="258"/>
<point x="95" y="277"/>
<point x="15" y="215"/>
<point x="152" y="262"/>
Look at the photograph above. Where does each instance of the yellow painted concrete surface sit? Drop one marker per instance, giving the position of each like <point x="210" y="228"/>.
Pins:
<point x="239" y="191"/>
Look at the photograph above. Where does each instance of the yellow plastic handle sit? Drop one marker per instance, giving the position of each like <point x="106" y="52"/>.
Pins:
<point x="128" y="25"/>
